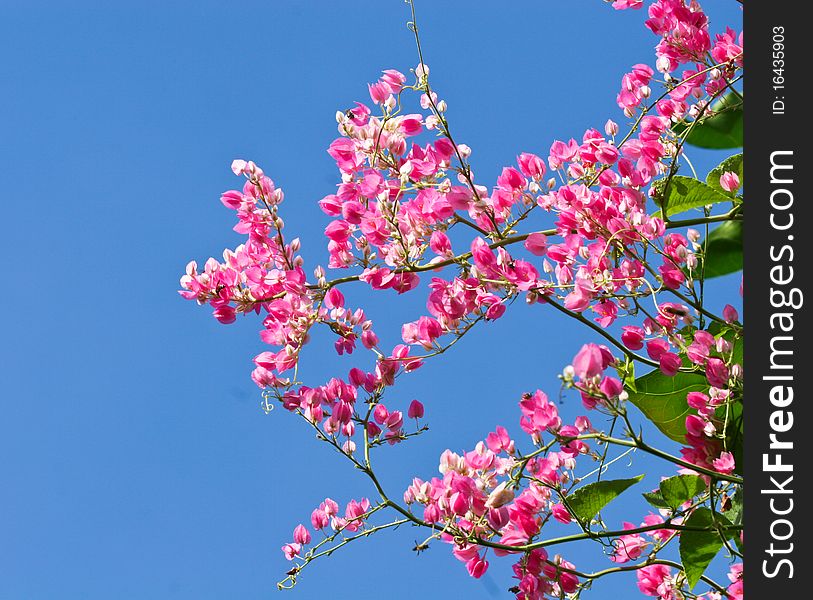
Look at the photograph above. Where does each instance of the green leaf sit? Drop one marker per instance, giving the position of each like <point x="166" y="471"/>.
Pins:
<point x="679" y="194"/>
<point x="724" y="250"/>
<point x="681" y="488"/>
<point x="734" y="419"/>
<point x="662" y="399"/>
<point x="698" y="548"/>
<point x="732" y="164"/>
<point x="586" y="502"/>
<point x="720" y="330"/>
<point x="626" y="373"/>
<point x="733" y="429"/>
<point x="655" y="499"/>
<point x="734" y="514"/>
<point x="721" y="130"/>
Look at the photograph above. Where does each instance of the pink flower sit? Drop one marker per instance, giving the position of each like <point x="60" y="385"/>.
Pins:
<point x="611" y="127"/>
<point x="537" y="244"/>
<point x="725" y="463"/>
<point x="531" y="166"/>
<point x="394" y="79"/>
<point x="360" y="114"/>
<point x="730" y="181"/>
<point x="225" y="314"/>
<point x="669" y="363"/>
<point x="500" y="441"/>
<point x="301" y="535"/>
<point x="566" y="580"/>
<point x="334" y="298"/>
<point x="291" y="551"/>
<point x="338" y="230"/>
<point x="633" y="337"/>
<point x="380" y="414"/>
<point x="588" y="362"/>
<point x="611" y="387"/>
<point x="561" y="514"/>
<point x="410" y="125"/>
<point x="672" y="277"/>
<point x="440" y="244"/>
<point x="717" y="372"/>
<point x="628" y="547"/>
<point x="477" y="567"/>
<point x="653" y="579"/>
<point x="728" y="47"/>
<point x="379" y="92"/>
<point x="625" y="4"/>
<point x="415" y="410"/>
<point x="735" y="590"/>
<point x="607" y="312"/>
<point x="657" y="534"/>
<point x="395" y="420"/>
<point x="657" y="348"/>
<point x="695" y="426"/>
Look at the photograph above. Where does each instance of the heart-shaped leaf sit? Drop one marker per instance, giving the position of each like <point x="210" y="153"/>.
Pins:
<point x="662" y="399"/>
<point x="586" y="502"/>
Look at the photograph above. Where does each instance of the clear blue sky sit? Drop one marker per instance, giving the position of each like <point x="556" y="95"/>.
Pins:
<point x="136" y="462"/>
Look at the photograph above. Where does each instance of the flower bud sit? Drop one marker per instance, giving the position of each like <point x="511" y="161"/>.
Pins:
<point x="663" y="64"/>
<point x="611" y="127"/>
<point x="499" y="496"/>
<point x="380" y="414"/>
<point x="302" y="535"/>
<point x="415" y="410"/>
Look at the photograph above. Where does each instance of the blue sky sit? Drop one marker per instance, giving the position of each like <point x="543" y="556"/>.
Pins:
<point x="136" y="460"/>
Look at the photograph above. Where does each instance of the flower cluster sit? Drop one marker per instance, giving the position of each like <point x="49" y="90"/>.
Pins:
<point x="604" y="250"/>
<point x="478" y="497"/>
<point x="326" y="517"/>
<point x="660" y="581"/>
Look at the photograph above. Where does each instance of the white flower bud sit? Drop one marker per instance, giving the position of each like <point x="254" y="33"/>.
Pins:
<point x="499" y="496"/>
<point x="611" y="127"/>
<point x="663" y="65"/>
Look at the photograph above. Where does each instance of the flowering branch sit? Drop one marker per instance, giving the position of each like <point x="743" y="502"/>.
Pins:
<point x="615" y="255"/>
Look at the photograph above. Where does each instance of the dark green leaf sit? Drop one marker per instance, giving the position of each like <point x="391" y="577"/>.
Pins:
<point x="626" y="373"/>
<point x="731" y="414"/>
<point x="732" y="164"/>
<point x="721" y="130"/>
<point x="681" y="488"/>
<point x="662" y="399"/>
<point x="655" y="499"/>
<point x="679" y="194"/>
<point x="734" y="515"/>
<point x="698" y="548"/>
<point x="724" y="250"/>
<point x="587" y="501"/>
